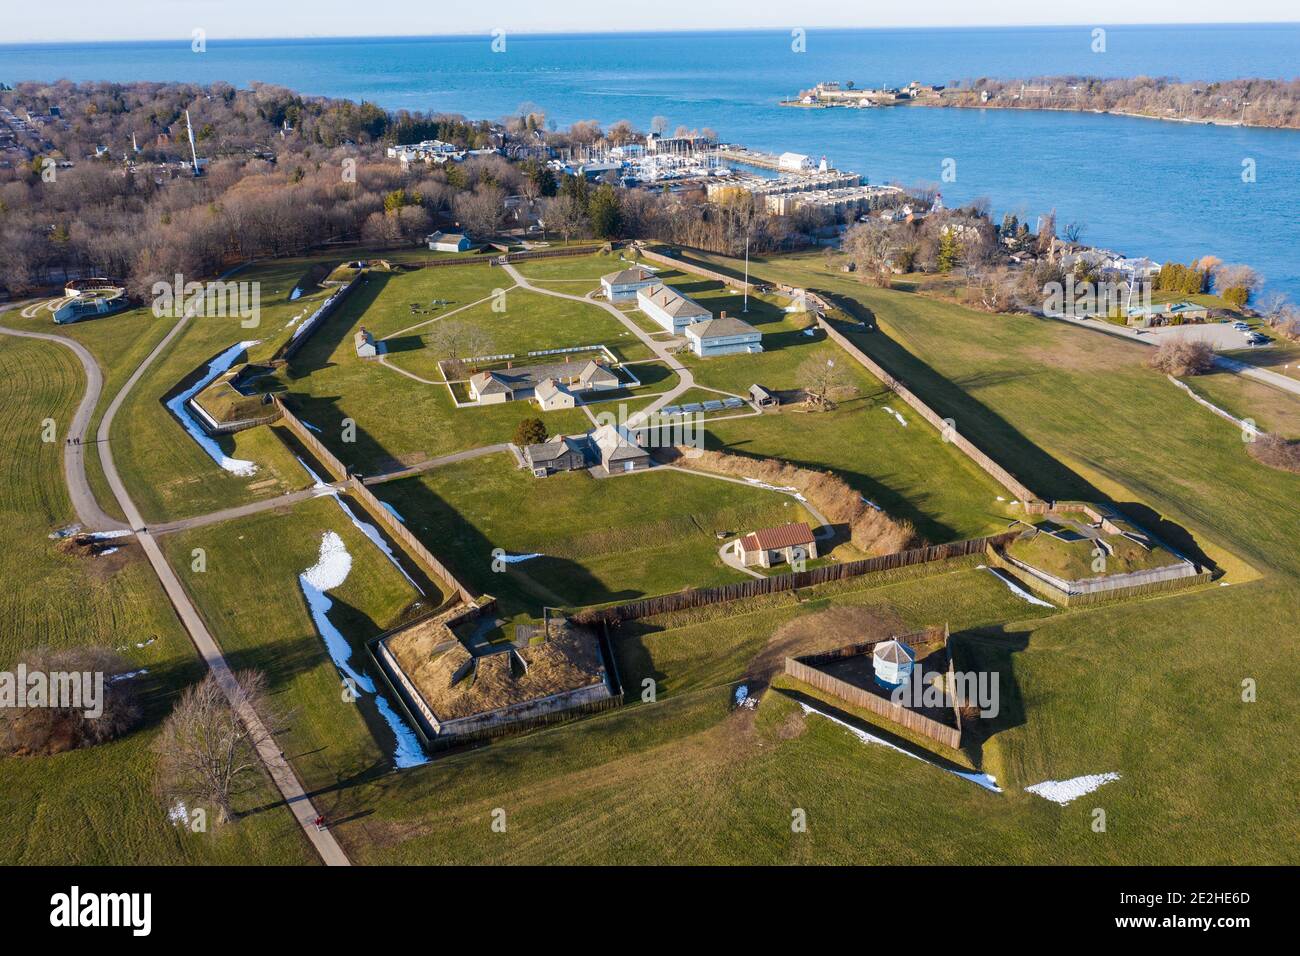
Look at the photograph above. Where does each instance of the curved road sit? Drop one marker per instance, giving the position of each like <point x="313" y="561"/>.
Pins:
<point x="91" y="516"/>
<point x="277" y="765"/>
<point x="686" y="381"/>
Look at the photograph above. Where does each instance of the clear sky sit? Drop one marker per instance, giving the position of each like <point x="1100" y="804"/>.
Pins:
<point x="67" y="20"/>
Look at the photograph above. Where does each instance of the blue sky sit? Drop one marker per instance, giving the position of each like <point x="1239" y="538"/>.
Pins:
<point x="70" y="20"/>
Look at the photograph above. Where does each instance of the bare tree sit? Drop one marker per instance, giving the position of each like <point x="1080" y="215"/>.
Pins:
<point x="823" y="381"/>
<point x="483" y="210"/>
<point x="457" y="341"/>
<point x="207" y="754"/>
<point x="565" y="215"/>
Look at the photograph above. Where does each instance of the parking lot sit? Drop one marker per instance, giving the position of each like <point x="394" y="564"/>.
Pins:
<point x="1221" y="335"/>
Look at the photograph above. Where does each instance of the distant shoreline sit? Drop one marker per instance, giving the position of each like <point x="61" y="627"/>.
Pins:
<point x="1207" y="121"/>
<point x="1252" y="103"/>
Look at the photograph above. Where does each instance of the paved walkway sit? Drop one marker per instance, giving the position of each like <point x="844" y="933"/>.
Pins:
<point x="276" y="763"/>
<point x="243" y="511"/>
<point x="84" y="503"/>
<point x="732" y="560"/>
<point x="686" y="380"/>
<point x="440" y="461"/>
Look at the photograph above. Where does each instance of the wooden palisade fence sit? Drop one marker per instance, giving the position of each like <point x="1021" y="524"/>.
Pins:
<point x="753" y="587"/>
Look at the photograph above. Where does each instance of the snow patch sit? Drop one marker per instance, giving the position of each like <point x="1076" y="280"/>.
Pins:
<point x="1067" y="791"/>
<point x="901" y="420"/>
<point x="1016" y="589"/>
<point x="330" y="571"/>
<point x="128" y="675"/>
<point x="982" y="779"/>
<point x="408" y="752"/>
<point x="332" y="566"/>
<point x="108" y="551"/>
<point x="516" y="558"/>
<point x="294" y="294"/>
<point x="392" y="511"/>
<point x="179" y="814"/>
<point x="177" y="406"/>
<point x="369" y="530"/>
<point x="106" y="535"/>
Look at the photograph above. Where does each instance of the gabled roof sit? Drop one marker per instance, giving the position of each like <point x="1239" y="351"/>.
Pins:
<point x="548" y="450"/>
<point x="673" y="302"/>
<point x="597" y="373"/>
<point x="719" y="328"/>
<point x="775" y="539"/>
<point x="628" y="276"/>
<point x="547" y="389"/>
<point x="614" y="445"/>
<point x="489" y="383"/>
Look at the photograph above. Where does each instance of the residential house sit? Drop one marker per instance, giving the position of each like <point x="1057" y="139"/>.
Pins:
<point x="367" y="347"/>
<point x="449" y="242"/>
<point x="723" y="336"/>
<point x="561" y="453"/>
<point x="617" y="451"/>
<point x="768" y="546"/>
<point x="623" y="286"/>
<point x="669" y="308"/>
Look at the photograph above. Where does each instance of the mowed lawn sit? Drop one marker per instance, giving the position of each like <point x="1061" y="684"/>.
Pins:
<point x="395" y="420"/>
<point x="167" y="472"/>
<point x="908" y="470"/>
<point x="251" y="598"/>
<point x="602" y="540"/>
<point x="688" y="780"/>
<point x="94" y="806"/>
<point x="523" y="322"/>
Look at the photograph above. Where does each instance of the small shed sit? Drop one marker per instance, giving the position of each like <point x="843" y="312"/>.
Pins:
<point x="365" y="343"/>
<point x="892" y="662"/>
<point x="762" y="397"/>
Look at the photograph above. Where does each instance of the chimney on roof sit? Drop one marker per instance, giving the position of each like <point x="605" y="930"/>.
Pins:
<point x="722" y="314"/>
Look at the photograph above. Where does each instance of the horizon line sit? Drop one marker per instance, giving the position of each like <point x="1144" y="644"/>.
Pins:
<point x="527" y="34"/>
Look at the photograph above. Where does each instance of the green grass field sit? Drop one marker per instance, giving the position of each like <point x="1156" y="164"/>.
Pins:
<point x="1149" y="688"/>
<point x="530" y="322"/>
<point x="94" y="806"/>
<point x="1138" y="688"/>
<point x="603" y="540"/>
<point x="253" y="604"/>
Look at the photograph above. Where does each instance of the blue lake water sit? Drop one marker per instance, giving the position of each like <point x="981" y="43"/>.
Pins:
<point x="1166" y="190"/>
